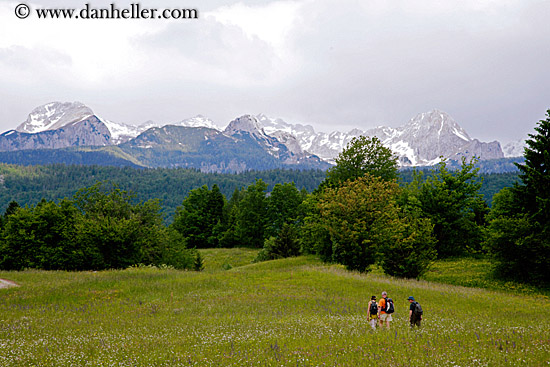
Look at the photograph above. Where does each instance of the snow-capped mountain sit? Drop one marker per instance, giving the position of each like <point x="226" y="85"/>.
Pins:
<point x="514" y="148"/>
<point x="54" y="115"/>
<point x="428" y="136"/>
<point x="326" y="146"/>
<point x="197" y="121"/>
<point x="121" y="133"/>
<point x="421" y="141"/>
<point x="89" y="131"/>
<point x="281" y="144"/>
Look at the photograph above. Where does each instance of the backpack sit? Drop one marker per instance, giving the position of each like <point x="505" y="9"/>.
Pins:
<point x="373" y="308"/>
<point x="417" y="308"/>
<point x="389" y="305"/>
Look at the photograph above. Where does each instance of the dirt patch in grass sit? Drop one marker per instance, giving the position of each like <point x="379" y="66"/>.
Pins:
<point x="4" y="283"/>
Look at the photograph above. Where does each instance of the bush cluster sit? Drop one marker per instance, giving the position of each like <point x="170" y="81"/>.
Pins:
<point x="100" y="228"/>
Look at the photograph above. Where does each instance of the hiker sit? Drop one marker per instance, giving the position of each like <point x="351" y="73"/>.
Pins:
<point x="373" y="312"/>
<point x="385" y="309"/>
<point x="415" y="312"/>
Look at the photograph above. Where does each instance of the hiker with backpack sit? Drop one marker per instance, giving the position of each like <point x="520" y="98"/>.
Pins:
<point x="385" y="310"/>
<point x="415" y="312"/>
<point x="373" y="312"/>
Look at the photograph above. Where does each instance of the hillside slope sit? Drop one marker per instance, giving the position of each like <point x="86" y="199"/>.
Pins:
<point x="285" y="312"/>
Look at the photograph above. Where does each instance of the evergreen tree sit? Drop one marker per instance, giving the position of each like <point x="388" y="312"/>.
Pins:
<point x="198" y="264"/>
<point x="11" y="209"/>
<point x="286" y="244"/>
<point x="535" y="173"/>
<point x="519" y="223"/>
<point x="226" y="227"/>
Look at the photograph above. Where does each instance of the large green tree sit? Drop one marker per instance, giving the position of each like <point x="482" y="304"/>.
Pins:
<point x="362" y="155"/>
<point x="41" y="237"/>
<point x="283" y="207"/>
<point x="225" y="229"/>
<point x="245" y="219"/>
<point x="535" y="173"/>
<point x="360" y="223"/>
<point x="452" y="201"/>
<point x="519" y="223"/>
<point x="198" y="216"/>
<point x="411" y="249"/>
<point x="359" y="217"/>
<point x="252" y="218"/>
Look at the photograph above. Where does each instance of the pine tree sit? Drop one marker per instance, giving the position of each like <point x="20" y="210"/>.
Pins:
<point x="535" y="173"/>
<point x="198" y="265"/>
<point x="519" y="229"/>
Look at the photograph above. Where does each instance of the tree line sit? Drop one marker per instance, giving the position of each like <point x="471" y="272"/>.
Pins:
<point x="28" y="185"/>
<point x="358" y="216"/>
<point x="101" y="227"/>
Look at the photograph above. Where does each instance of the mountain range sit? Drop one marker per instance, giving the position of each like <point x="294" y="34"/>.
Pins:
<point x="72" y="133"/>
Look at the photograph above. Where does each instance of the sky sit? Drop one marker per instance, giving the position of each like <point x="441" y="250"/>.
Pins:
<point x="332" y="64"/>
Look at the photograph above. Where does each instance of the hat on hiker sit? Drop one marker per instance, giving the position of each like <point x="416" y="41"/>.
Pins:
<point x="373" y="297"/>
<point x="384" y="293"/>
<point x="411" y="298"/>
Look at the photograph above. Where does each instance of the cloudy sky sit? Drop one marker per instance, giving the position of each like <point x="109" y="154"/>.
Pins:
<point x="334" y="64"/>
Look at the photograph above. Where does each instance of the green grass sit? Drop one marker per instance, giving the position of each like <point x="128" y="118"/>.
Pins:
<point x="472" y="272"/>
<point x="292" y="312"/>
<point x="216" y="259"/>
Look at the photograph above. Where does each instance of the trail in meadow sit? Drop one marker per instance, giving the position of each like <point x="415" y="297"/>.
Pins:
<point x="7" y="283"/>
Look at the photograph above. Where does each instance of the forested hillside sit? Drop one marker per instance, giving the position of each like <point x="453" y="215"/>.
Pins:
<point x="29" y="184"/>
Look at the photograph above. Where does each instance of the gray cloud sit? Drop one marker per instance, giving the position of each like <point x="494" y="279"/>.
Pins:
<point x="343" y="64"/>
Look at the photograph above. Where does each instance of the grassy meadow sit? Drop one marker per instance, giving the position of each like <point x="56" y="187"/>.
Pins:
<point x="291" y="312"/>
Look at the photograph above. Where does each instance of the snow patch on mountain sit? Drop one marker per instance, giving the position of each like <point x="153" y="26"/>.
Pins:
<point x="197" y="121"/>
<point x="423" y="140"/>
<point x="121" y="133"/>
<point x="514" y="148"/>
<point x="54" y="115"/>
<point x="246" y="123"/>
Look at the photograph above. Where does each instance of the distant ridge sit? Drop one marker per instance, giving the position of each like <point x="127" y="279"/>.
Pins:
<point x="248" y="142"/>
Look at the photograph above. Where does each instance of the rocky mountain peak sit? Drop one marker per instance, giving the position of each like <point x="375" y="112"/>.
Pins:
<point x="246" y="123"/>
<point x="197" y="121"/>
<point x="54" y="115"/>
<point x="514" y="148"/>
<point x="419" y="142"/>
<point x="435" y="122"/>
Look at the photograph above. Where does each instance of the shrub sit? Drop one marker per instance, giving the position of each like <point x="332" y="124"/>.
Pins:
<point x="286" y="244"/>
